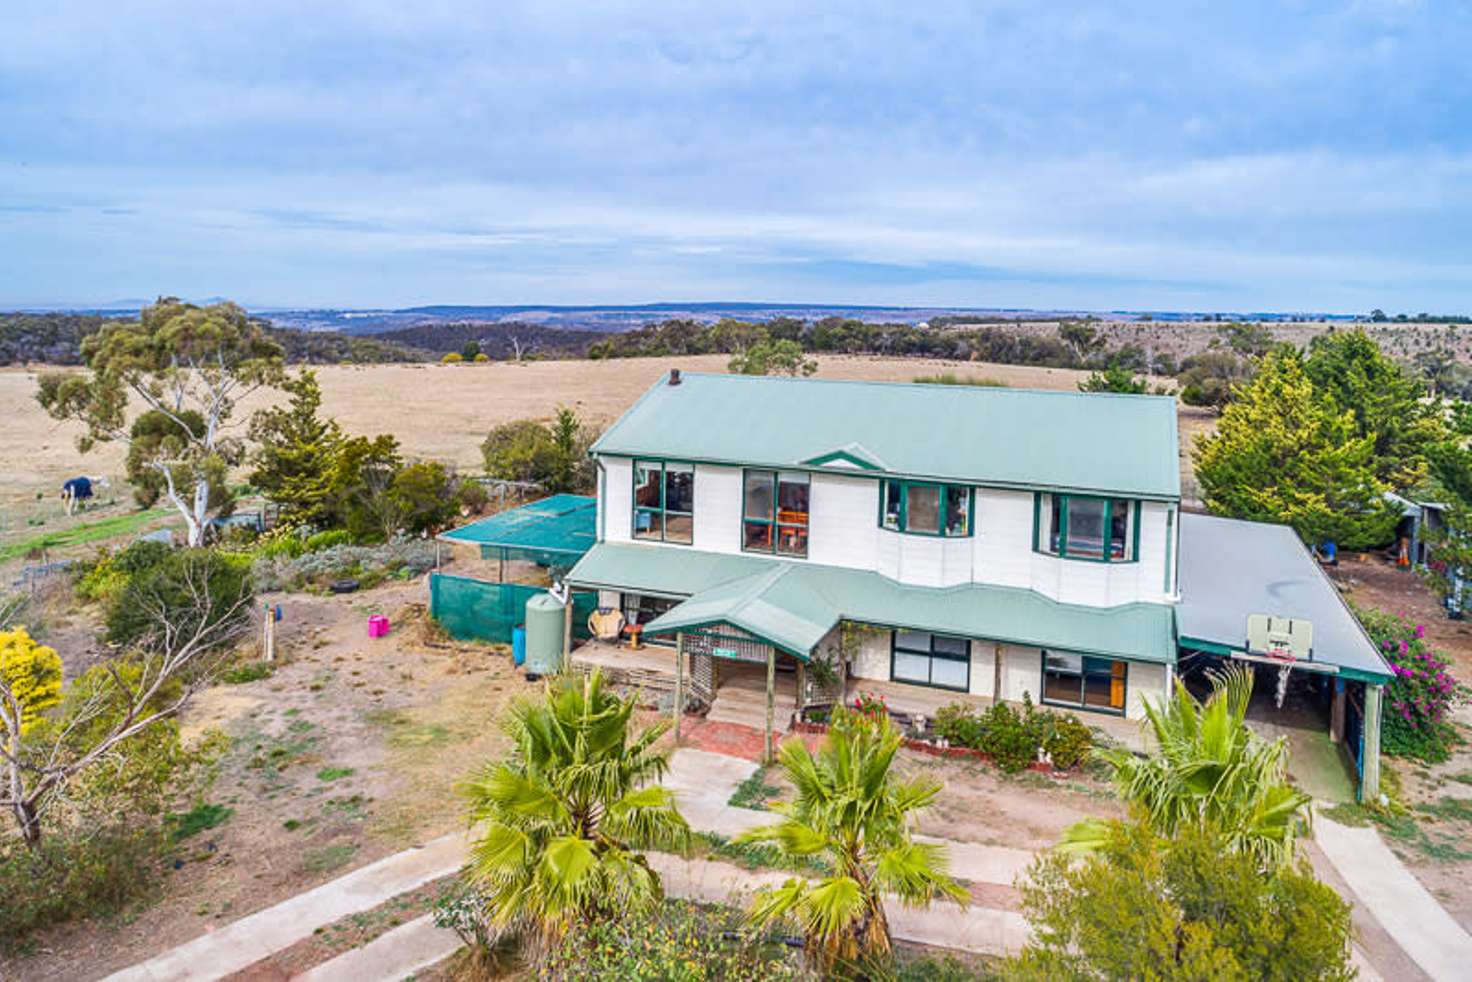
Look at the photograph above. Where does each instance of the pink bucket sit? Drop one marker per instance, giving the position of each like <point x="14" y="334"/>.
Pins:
<point x="377" y="626"/>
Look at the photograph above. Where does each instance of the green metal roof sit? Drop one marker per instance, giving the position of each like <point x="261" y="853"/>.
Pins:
<point x="553" y="531"/>
<point x="793" y="605"/>
<point x="1002" y="437"/>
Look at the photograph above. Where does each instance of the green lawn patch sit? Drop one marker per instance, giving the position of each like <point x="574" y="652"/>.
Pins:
<point x="328" y="858"/>
<point x="196" y="820"/>
<point x="103" y="528"/>
<point x="754" y="792"/>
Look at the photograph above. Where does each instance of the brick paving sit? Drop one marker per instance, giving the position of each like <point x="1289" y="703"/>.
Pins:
<point x="731" y="739"/>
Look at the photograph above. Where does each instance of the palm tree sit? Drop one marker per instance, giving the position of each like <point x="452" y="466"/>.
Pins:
<point x="1208" y="771"/>
<point x="565" y="815"/>
<point x="851" y="813"/>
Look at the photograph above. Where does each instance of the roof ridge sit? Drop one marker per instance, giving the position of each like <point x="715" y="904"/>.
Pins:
<point x="999" y="390"/>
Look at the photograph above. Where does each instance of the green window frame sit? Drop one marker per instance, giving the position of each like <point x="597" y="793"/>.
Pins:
<point x="774" y="529"/>
<point x="663" y="502"/>
<point x="906" y="507"/>
<point x="1084" y="527"/>
<point x="915" y="656"/>
<point x="1102" y="684"/>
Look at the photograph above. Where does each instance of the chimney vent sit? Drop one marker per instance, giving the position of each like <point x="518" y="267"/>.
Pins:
<point x="674" y="376"/>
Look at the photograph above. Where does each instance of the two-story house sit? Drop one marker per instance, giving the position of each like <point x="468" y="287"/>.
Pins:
<point x="930" y="541"/>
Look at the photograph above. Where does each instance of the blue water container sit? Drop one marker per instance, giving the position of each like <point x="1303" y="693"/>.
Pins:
<point x="1331" y="553"/>
<point x="518" y="644"/>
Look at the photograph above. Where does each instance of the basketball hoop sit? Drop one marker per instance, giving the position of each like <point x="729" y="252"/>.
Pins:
<point x="1281" y="641"/>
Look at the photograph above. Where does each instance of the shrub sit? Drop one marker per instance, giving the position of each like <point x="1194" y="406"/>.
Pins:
<point x="281" y="542"/>
<point x="958" y="725"/>
<point x="1012" y="737"/>
<point x="76" y="873"/>
<point x="227" y="580"/>
<point x="872" y="706"/>
<point x="327" y="539"/>
<point x="1009" y="738"/>
<point x="200" y="818"/>
<point x="678" y="941"/>
<point x="106" y="579"/>
<point x="1069" y="743"/>
<point x="453" y="358"/>
<point x="1419" y="699"/>
<point x="252" y="671"/>
<point x="369" y="564"/>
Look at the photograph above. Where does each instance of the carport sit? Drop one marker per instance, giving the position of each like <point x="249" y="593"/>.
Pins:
<point x="1231" y="570"/>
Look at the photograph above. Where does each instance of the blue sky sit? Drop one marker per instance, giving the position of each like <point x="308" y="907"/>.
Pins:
<point x="1286" y="156"/>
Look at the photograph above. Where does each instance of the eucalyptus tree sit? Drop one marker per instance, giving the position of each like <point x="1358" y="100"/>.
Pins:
<point x="188" y="367"/>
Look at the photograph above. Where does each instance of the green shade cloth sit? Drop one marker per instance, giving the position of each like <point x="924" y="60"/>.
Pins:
<point x="475" y="610"/>
<point x="555" y="531"/>
<point x="1109" y="444"/>
<point x="793" y="605"/>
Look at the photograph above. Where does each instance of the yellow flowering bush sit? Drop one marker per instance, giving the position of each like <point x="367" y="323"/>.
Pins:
<point x="32" y="673"/>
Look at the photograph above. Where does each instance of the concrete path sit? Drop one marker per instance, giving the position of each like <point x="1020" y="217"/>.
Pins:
<point x="418" y="944"/>
<point x="392" y="956"/>
<point x="262" y="934"/>
<point x="703" y="782"/>
<point x="1420" y="925"/>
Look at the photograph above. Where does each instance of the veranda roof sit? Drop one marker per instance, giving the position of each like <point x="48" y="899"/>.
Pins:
<point x="793" y="605"/>
<point x="555" y="531"/>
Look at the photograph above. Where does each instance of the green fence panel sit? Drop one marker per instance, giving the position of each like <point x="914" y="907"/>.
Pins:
<point x="477" y="610"/>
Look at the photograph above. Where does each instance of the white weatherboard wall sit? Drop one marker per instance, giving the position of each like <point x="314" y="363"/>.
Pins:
<point x="844" y="531"/>
<point x="1022" y="673"/>
<point x="616" y="500"/>
<point x="872" y="661"/>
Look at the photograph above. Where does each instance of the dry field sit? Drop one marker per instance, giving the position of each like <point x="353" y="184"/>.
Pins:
<point x="435" y="411"/>
<point x="442" y="411"/>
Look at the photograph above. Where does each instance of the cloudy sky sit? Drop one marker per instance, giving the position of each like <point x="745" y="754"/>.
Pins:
<point x="1173" y="155"/>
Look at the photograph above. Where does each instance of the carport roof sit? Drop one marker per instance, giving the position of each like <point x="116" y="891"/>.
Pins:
<point x="1230" y="569"/>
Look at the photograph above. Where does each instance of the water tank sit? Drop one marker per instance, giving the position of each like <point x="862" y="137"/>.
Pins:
<point x="544" y="619"/>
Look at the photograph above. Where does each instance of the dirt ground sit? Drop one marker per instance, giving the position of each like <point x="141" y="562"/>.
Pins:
<point x="978" y="803"/>
<point x="1437" y="843"/>
<point x="348" y="752"/>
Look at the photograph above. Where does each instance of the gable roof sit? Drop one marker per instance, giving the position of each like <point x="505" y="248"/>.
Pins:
<point x="1000" y="437"/>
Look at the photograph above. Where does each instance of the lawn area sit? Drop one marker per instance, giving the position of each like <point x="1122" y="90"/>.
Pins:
<point x="103" y="528"/>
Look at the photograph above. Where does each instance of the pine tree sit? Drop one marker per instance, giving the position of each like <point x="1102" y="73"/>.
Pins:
<point x="1386" y="400"/>
<point x="1286" y="453"/>
<point x="294" y="463"/>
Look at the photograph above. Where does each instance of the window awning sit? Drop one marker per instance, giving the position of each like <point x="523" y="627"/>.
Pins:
<point x="793" y="605"/>
<point x="1231" y="569"/>
<point x="555" y="531"/>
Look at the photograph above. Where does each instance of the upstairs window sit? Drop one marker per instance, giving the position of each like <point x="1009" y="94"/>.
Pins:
<point x="774" y="514"/>
<point x="1105" y="530"/>
<point x="925" y="509"/>
<point x="664" y="501"/>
